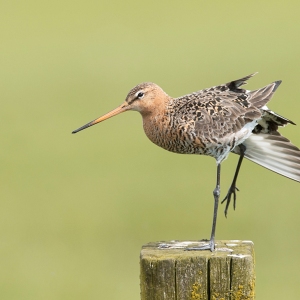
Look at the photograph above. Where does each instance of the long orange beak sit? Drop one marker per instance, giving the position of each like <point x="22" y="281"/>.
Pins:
<point x="123" y="107"/>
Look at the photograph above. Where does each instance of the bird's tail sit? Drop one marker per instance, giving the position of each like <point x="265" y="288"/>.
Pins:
<point x="275" y="153"/>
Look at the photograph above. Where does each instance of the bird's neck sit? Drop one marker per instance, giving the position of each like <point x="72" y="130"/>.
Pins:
<point x="156" y="122"/>
<point x="156" y="109"/>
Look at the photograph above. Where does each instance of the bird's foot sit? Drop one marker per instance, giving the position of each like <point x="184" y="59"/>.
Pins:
<point x="232" y="191"/>
<point x="210" y="246"/>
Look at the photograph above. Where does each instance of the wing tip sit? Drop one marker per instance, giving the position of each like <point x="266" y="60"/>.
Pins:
<point x="235" y="84"/>
<point x="276" y="85"/>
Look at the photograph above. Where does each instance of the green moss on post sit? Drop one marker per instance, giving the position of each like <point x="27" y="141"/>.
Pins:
<point x="170" y="273"/>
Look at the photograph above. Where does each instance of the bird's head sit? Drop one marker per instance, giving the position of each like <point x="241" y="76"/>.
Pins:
<point x="146" y="98"/>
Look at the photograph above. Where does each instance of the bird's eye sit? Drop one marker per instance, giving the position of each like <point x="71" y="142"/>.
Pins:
<point x="140" y="95"/>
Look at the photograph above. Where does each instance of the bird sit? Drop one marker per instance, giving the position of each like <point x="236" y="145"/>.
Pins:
<point x="215" y="121"/>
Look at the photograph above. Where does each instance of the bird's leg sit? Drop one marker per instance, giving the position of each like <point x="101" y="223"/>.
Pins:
<point x="211" y="245"/>
<point x="232" y="190"/>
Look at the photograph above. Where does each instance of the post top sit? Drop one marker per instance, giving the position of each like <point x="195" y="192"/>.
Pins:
<point x="176" y="249"/>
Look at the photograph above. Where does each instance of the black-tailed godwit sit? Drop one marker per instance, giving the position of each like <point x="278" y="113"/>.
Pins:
<point x="215" y="121"/>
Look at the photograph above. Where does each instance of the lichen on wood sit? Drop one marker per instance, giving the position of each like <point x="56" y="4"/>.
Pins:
<point x="168" y="272"/>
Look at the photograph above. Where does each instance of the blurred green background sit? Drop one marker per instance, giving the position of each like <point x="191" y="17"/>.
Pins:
<point x="75" y="210"/>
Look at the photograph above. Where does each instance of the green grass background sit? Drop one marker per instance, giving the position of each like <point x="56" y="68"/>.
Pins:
<point x="75" y="210"/>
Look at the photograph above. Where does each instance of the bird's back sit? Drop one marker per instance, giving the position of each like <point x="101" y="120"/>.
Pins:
<point x="214" y="121"/>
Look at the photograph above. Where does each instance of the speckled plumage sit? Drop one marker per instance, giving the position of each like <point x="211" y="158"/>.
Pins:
<point x="210" y="121"/>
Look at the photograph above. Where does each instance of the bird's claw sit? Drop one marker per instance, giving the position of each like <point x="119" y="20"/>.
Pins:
<point x="232" y="191"/>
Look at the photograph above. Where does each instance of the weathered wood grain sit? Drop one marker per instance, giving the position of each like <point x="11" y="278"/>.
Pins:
<point x="168" y="272"/>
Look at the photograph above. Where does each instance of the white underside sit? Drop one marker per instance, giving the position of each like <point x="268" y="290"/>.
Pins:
<point x="239" y="137"/>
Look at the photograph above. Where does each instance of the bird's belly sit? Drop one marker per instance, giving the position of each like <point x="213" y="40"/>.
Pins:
<point x="228" y="143"/>
<point x="179" y="140"/>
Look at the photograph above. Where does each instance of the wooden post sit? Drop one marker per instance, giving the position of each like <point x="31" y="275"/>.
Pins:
<point x="168" y="272"/>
